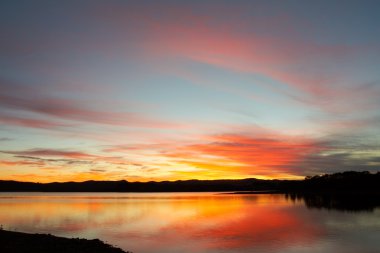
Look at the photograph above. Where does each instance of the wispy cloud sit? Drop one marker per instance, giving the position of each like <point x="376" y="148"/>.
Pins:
<point x="5" y="139"/>
<point x="15" y="98"/>
<point x="30" y="122"/>
<point x="21" y="163"/>
<point x="51" y="153"/>
<point x="51" y="160"/>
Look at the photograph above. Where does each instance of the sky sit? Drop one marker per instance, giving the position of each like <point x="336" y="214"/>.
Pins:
<point x="176" y="90"/>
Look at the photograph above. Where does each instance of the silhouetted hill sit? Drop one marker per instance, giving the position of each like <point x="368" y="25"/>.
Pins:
<point x="340" y="182"/>
<point x="125" y="186"/>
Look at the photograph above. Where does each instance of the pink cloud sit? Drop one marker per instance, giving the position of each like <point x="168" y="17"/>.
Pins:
<point x="316" y="72"/>
<point x="228" y="46"/>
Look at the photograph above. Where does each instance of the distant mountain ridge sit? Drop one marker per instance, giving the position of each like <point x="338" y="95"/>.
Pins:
<point x="350" y="181"/>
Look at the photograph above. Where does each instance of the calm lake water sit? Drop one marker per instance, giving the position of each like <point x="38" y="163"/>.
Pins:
<point x="195" y="222"/>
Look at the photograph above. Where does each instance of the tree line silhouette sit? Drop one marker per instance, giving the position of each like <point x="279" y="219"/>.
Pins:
<point x="345" y="182"/>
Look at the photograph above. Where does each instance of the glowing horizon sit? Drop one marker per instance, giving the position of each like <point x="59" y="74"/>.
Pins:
<point x="188" y="90"/>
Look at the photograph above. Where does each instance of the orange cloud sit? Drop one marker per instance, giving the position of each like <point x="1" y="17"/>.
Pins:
<point x="59" y="175"/>
<point x="21" y="163"/>
<point x="265" y="156"/>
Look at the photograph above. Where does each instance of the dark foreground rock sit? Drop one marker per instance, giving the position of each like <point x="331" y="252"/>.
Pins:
<point x="16" y="242"/>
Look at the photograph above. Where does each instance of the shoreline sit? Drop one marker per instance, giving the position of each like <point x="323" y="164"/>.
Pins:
<point x="17" y="242"/>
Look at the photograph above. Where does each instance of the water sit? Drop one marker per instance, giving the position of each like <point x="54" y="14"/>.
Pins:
<point x="196" y="222"/>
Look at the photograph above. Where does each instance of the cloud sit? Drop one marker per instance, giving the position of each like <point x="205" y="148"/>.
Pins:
<point x="30" y="122"/>
<point x="52" y="153"/>
<point x="64" y="176"/>
<point x="66" y="157"/>
<point x="342" y="153"/>
<point x="236" y="46"/>
<point x="21" y="163"/>
<point x="278" y="156"/>
<point x="97" y="170"/>
<point x="339" y="162"/>
<point x="260" y="155"/>
<point x="15" y="98"/>
<point x="316" y="74"/>
<point x="346" y="107"/>
<point x="64" y="161"/>
<point x="5" y="139"/>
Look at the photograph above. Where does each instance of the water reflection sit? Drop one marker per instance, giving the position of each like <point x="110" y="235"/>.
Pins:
<point x="193" y="222"/>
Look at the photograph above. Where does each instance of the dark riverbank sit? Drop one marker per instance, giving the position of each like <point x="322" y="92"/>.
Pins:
<point x="17" y="242"/>
<point x="342" y="201"/>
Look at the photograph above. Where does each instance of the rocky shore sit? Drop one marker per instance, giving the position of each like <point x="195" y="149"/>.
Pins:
<point x="17" y="242"/>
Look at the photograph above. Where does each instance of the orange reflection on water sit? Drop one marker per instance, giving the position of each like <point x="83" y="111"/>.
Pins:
<point x="174" y="222"/>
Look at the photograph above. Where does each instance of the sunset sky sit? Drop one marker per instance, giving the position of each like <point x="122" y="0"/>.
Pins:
<point x="169" y="90"/>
